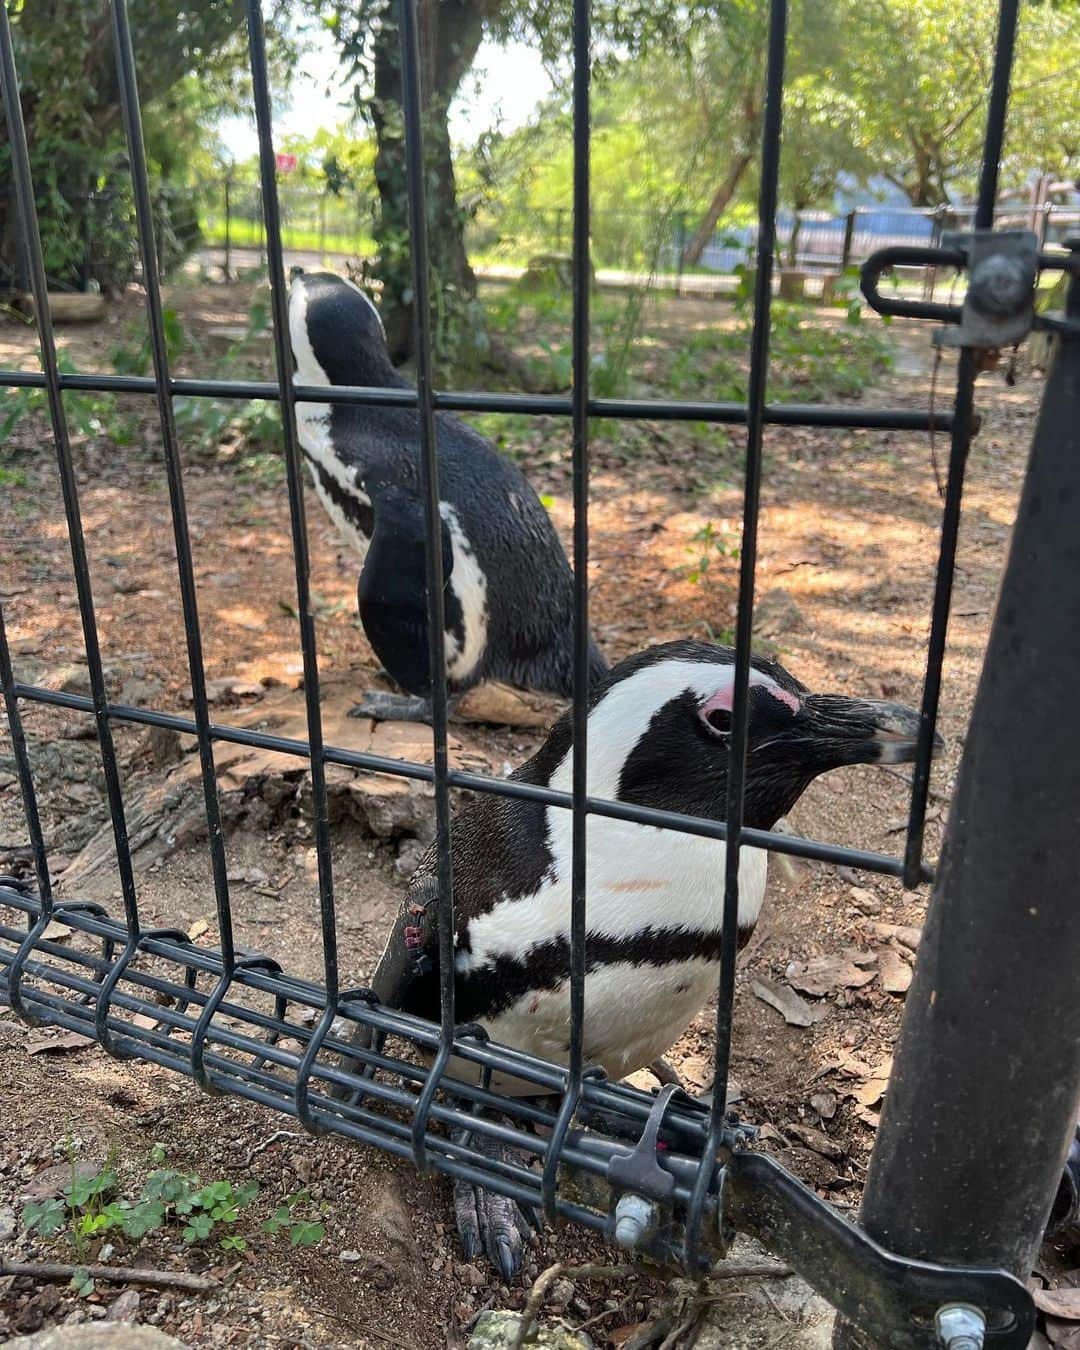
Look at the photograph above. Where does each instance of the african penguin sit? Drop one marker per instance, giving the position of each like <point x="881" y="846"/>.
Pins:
<point x="659" y="730"/>
<point x="508" y="586"/>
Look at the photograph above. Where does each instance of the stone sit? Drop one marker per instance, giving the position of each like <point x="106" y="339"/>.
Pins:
<point x="124" y="1308"/>
<point x="498" y="1331"/>
<point x="115" y="1336"/>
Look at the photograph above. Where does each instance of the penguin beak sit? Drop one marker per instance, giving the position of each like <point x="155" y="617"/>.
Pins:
<point x="861" y="731"/>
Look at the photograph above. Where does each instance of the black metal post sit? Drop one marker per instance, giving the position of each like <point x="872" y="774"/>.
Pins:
<point x="985" y="1087"/>
<point x="228" y="227"/>
<point x="849" y="235"/>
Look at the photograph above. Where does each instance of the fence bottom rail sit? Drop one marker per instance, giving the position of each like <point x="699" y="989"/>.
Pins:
<point x="249" y="1031"/>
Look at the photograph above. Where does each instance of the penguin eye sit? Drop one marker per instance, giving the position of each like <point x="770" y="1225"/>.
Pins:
<point x="718" y="720"/>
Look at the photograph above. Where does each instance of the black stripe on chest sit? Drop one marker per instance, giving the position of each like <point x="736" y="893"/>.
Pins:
<point x="356" y="511"/>
<point x="502" y="982"/>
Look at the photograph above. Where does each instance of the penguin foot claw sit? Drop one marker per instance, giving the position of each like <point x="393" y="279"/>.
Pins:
<point x="380" y="706"/>
<point x="491" y="1223"/>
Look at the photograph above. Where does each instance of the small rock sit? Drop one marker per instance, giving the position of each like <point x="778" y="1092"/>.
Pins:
<point x="7" y="1222"/>
<point x="498" y="1331"/>
<point x="562" y="1291"/>
<point x="125" y="1308"/>
<point x="824" y="1103"/>
<point x="817" y="1140"/>
<point x="112" y="1337"/>
<point x="865" y="901"/>
<point x="350" y="1257"/>
<point x="471" y="1276"/>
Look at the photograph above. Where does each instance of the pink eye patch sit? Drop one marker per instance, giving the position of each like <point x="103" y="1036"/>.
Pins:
<point x="722" y="699"/>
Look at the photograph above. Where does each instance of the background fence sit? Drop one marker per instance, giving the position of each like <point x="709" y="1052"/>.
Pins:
<point x="225" y="218"/>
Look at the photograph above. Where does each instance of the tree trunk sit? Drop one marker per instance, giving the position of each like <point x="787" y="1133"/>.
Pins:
<point x="450" y="34"/>
<point x="719" y="204"/>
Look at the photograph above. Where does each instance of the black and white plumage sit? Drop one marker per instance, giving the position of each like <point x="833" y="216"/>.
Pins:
<point x="508" y="592"/>
<point x="659" y="728"/>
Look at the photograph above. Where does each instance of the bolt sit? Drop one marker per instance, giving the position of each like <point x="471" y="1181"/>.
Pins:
<point x="636" y="1219"/>
<point x="999" y="287"/>
<point x="960" y="1326"/>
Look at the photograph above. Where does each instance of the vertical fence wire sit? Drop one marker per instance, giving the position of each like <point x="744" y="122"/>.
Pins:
<point x="129" y="101"/>
<point x="429" y="486"/>
<point x="755" y="424"/>
<point x="295" y="474"/>
<point x="24" y="773"/>
<point x="582" y="277"/>
<point x="959" y="446"/>
<point x="20" y="166"/>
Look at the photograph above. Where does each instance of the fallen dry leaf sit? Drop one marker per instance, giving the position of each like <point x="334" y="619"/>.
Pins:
<point x="824" y="974"/>
<point x="56" y="931"/>
<point x="197" y="929"/>
<point x="66" y="1040"/>
<point x="871" y="1092"/>
<point x="1063" y="1303"/>
<point x="895" y="973"/>
<point x="795" y="1011"/>
<point x="52" y="1180"/>
<point x="1062" y="1335"/>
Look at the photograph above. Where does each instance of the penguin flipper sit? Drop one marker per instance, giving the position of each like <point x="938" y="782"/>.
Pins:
<point x="392" y="591"/>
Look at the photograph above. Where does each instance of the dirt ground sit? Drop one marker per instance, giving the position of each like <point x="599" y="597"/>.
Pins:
<point x="848" y="541"/>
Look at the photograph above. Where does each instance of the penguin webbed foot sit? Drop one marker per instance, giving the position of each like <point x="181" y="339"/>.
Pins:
<point x="488" y="1222"/>
<point x="379" y="705"/>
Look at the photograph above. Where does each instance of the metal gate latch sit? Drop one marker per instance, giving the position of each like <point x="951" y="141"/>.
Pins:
<point x="644" y="1183"/>
<point x="999" y="307"/>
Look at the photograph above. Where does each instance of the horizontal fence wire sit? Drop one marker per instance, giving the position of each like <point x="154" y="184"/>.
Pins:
<point x="237" y="1022"/>
<point x="554" y="405"/>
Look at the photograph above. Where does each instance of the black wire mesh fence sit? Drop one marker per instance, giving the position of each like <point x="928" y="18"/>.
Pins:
<point x="236" y="1021"/>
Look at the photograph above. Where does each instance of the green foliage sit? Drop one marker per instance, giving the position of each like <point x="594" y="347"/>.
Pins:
<point x="192" y="68"/>
<point x="89" y="414"/>
<point x="167" y="1197"/>
<point x="300" y="1217"/>
<point x="204" y="424"/>
<point x="715" y="544"/>
<point x="918" y="73"/>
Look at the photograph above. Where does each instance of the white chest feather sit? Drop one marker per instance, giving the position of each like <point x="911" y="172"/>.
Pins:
<point x="640" y="880"/>
<point x="469" y="584"/>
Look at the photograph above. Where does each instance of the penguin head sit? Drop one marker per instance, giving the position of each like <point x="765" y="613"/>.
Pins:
<point x="336" y="333"/>
<point x="660" y="733"/>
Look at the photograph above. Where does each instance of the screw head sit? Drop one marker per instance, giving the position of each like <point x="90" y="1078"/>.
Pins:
<point x="999" y="287"/>
<point x="960" y="1326"/>
<point x="636" y="1219"/>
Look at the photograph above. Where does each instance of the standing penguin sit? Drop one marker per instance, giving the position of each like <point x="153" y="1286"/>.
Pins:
<point x="659" y="732"/>
<point x="508" y="588"/>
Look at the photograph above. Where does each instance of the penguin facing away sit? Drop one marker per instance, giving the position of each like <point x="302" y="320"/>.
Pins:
<point x="659" y="730"/>
<point x="508" y="587"/>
